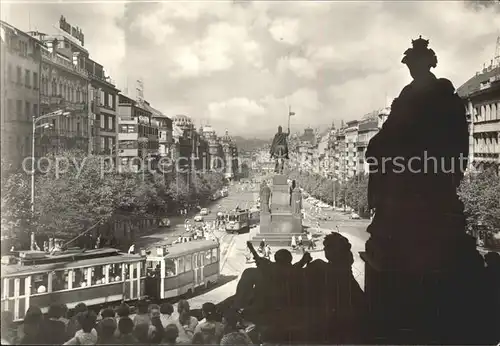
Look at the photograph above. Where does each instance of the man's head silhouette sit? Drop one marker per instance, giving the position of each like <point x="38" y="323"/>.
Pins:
<point x="419" y="58"/>
<point x="280" y="129"/>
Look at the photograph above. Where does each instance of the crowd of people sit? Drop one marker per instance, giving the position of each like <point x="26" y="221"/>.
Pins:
<point x="151" y="324"/>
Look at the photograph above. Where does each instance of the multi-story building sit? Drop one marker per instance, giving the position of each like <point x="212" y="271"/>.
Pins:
<point x="64" y="86"/>
<point x="230" y="157"/>
<point x="351" y="153"/>
<point x="367" y="128"/>
<point x="104" y="110"/>
<point x="482" y="96"/>
<point x="21" y="65"/>
<point x="215" y="150"/>
<point x="138" y="132"/>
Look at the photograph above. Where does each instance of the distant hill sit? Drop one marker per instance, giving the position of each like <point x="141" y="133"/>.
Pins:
<point x="249" y="144"/>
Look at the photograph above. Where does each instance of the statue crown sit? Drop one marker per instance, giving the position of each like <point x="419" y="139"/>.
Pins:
<point x="420" y="43"/>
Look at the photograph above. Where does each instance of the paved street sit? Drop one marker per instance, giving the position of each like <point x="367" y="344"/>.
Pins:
<point x="234" y="249"/>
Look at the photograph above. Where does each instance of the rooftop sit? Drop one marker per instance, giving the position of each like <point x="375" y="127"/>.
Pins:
<point x="473" y="85"/>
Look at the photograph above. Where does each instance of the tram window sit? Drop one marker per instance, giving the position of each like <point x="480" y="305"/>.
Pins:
<point x="170" y="267"/>
<point x="152" y="266"/>
<point x="199" y="258"/>
<point x="208" y="257"/>
<point x="21" y="286"/>
<point x="98" y="277"/>
<point x="214" y="255"/>
<point x="11" y="287"/>
<point x="232" y="218"/>
<point x="60" y="280"/>
<point x="180" y="263"/>
<point x="115" y="272"/>
<point x="39" y="283"/>
<point x="188" y="263"/>
<point x="80" y="277"/>
<point x="143" y="268"/>
<point x="126" y="267"/>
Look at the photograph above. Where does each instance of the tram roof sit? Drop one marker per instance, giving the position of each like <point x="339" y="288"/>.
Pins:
<point x="29" y="269"/>
<point x="189" y="247"/>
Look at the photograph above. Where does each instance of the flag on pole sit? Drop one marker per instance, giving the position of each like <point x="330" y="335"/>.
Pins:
<point x="291" y="114"/>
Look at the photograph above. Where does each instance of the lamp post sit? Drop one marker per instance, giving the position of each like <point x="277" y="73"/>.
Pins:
<point x="35" y="126"/>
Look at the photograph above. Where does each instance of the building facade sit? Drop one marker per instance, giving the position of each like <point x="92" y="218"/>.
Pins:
<point x="367" y="128"/>
<point x="482" y="98"/>
<point x="65" y="85"/>
<point x="104" y="110"/>
<point x="138" y="133"/>
<point x="351" y="154"/>
<point x="20" y="85"/>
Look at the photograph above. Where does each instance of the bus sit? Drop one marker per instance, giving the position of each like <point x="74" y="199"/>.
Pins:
<point x="182" y="268"/>
<point x="238" y="221"/>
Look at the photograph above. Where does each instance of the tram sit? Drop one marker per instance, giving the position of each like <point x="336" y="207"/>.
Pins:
<point x="238" y="221"/>
<point x="74" y="276"/>
<point x="183" y="268"/>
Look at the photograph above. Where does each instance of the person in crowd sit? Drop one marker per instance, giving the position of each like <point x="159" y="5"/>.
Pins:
<point x="206" y="336"/>
<point x="106" y="332"/>
<point x="235" y="339"/>
<point x="54" y="331"/>
<point x="310" y="241"/>
<point x="141" y="333"/>
<point x="338" y="304"/>
<point x="262" y="246"/>
<point x="126" y="331"/>
<point x="87" y="335"/>
<point x="142" y="316"/>
<point x="123" y="311"/>
<point x="210" y="318"/>
<point x="183" y="306"/>
<point x="64" y="318"/>
<point x="166" y="311"/>
<point x="171" y="334"/>
<point x="232" y="324"/>
<point x="107" y="314"/>
<point x="186" y="327"/>
<point x="294" y="242"/>
<point x="8" y="329"/>
<point x="32" y="327"/>
<point x="156" y="330"/>
<point x="73" y="324"/>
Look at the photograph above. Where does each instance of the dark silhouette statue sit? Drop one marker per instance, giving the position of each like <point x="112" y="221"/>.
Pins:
<point x="279" y="149"/>
<point x="423" y="276"/>
<point x="265" y="196"/>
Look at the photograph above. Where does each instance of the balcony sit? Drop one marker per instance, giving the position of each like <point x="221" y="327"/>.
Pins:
<point x="105" y="80"/>
<point x="361" y="144"/>
<point x="62" y="63"/>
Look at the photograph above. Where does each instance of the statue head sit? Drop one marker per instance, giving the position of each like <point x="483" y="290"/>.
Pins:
<point x="419" y="58"/>
<point x="280" y="129"/>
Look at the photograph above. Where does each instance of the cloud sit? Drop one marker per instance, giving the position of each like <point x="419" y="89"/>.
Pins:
<point x="240" y="64"/>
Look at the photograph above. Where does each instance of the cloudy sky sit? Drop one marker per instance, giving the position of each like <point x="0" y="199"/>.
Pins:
<point x="238" y="65"/>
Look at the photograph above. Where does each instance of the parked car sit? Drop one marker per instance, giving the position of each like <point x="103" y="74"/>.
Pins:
<point x="204" y="212"/>
<point x="354" y="216"/>
<point x="198" y="218"/>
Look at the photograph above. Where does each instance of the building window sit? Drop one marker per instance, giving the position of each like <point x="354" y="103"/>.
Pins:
<point x="28" y="110"/>
<point x="19" y="75"/>
<point x="9" y="73"/>
<point x="35" y="110"/>
<point x="127" y="144"/>
<point x="10" y="109"/>
<point x="101" y="98"/>
<point x="109" y="123"/>
<point x="27" y="75"/>
<point x="128" y="128"/>
<point x="19" y="109"/>
<point x="35" y="80"/>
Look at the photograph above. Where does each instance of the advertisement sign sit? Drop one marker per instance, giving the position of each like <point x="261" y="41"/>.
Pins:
<point x="74" y="31"/>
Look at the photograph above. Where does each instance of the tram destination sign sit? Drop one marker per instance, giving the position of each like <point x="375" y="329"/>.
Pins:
<point x="74" y="31"/>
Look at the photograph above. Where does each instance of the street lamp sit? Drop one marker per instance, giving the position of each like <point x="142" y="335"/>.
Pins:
<point x="35" y="126"/>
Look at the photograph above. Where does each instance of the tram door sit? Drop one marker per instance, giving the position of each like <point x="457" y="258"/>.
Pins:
<point x="198" y="269"/>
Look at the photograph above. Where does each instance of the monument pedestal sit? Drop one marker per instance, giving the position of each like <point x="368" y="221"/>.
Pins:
<point x="426" y="285"/>
<point x="279" y="225"/>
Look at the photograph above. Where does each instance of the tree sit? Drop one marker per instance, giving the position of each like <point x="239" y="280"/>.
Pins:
<point x="481" y="195"/>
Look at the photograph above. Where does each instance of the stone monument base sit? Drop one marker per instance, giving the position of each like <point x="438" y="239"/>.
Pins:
<point x="275" y="239"/>
<point x="426" y="286"/>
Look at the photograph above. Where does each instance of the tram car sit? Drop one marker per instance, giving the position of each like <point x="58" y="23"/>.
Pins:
<point x="182" y="268"/>
<point x="93" y="277"/>
<point x="238" y="221"/>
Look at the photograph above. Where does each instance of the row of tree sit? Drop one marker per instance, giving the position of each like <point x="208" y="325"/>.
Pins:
<point x="353" y="194"/>
<point x="83" y="191"/>
<point x="480" y="194"/>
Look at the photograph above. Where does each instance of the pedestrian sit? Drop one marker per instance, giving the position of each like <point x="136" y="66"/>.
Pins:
<point x="294" y="242"/>
<point x="311" y="241"/>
